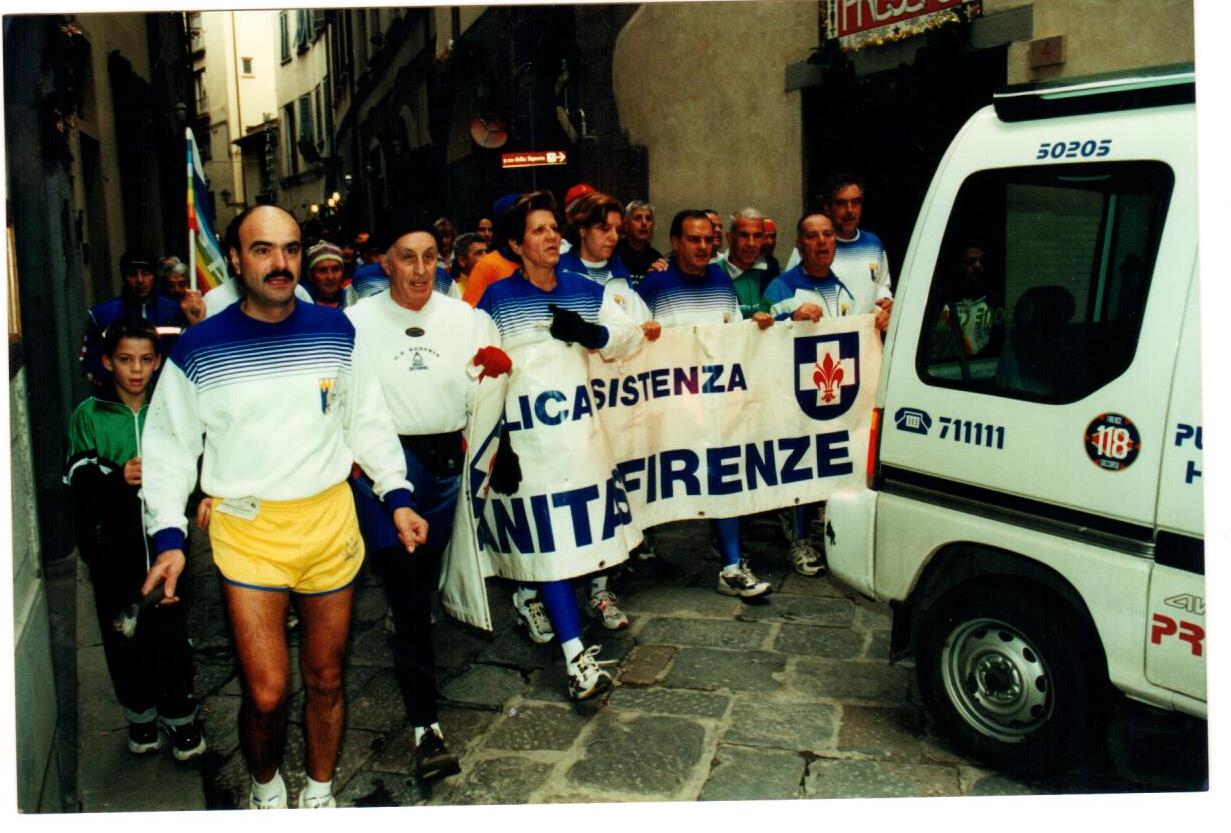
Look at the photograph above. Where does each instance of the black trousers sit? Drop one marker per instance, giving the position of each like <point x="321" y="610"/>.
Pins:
<point x="152" y="670"/>
<point x="410" y="579"/>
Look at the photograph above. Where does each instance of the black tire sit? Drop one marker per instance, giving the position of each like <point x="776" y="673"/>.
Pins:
<point x="1010" y="678"/>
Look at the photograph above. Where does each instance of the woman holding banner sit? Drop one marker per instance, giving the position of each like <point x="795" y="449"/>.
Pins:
<point x="541" y="313"/>
<point x="594" y="223"/>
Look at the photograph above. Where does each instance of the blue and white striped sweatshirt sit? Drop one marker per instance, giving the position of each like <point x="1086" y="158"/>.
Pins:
<point x="285" y="408"/>
<point x="519" y="310"/>
<point x="612" y="277"/>
<point x="795" y="287"/>
<point x="677" y="299"/>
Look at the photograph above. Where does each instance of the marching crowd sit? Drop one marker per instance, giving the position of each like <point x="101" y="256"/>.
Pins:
<point x="316" y="423"/>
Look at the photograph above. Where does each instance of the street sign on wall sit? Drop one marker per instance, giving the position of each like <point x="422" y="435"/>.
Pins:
<point x="533" y="158"/>
<point x="860" y="23"/>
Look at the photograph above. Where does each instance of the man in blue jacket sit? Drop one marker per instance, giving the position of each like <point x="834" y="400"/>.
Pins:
<point x="137" y="297"/>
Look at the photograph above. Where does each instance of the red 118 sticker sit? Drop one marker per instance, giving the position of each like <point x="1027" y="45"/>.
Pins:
<point x="1112" y="442"/>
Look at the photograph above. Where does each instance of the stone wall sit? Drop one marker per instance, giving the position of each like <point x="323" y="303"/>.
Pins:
<point x="700" y="85"/>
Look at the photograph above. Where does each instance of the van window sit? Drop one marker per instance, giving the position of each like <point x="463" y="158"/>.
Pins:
<point x="1041" y="283"/>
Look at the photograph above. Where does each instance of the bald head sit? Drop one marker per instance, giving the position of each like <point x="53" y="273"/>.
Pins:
<point x="265" y="251"/>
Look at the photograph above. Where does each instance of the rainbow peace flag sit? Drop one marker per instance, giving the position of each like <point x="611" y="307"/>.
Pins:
<point x="207" y="267"/>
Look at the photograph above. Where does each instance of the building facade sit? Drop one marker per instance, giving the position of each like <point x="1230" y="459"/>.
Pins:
<point x="233" y="67"/>
<point x="305" y="124"/>
<point x="718" y="105"/>
<point x="783" y="105"/>
<point x="95" y="111"/>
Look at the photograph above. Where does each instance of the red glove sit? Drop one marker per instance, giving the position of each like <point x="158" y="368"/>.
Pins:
<point x="493" y="360"/>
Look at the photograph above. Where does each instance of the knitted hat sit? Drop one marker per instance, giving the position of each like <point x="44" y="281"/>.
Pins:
<point x="323" y="250"/>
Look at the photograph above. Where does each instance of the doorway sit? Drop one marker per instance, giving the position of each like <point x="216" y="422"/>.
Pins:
<point x="893" y="127"/>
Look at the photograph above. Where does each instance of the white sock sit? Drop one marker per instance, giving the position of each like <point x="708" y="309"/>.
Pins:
<point x="271" y="789"/>
<point x="318" y="789"/>
<point x="597" y="585"/>
<point x="420" y="731"/>
<point x="525" y="595"/>
<point x="571" y="648"/>
<point x="731" y="569"/>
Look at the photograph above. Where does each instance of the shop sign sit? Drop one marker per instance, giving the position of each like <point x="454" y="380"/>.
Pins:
<point x="860" y="23"/>
<point x="533" y="158"/>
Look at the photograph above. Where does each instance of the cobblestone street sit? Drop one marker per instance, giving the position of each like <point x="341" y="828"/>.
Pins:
<point x="789" y="697"/>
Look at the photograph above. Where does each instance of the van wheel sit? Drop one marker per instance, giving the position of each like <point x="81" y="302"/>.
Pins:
<point x="1008" y="677"/>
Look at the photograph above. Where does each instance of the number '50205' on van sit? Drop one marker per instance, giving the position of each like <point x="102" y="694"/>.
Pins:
<point x="1033" y="510"/>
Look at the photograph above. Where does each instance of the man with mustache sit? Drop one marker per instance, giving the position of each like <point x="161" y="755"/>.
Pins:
<point x="230" y="291"/>
<point x="281" y="399"/>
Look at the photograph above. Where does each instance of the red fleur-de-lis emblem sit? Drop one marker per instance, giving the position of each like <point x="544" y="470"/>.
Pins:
<point x="829" y="375"/>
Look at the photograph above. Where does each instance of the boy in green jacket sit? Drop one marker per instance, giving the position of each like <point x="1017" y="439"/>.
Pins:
<point x="147" y="651"/>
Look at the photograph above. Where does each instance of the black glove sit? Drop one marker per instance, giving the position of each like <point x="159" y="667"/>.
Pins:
<point x="506" y="467"/>
<point x="567" y="325"/>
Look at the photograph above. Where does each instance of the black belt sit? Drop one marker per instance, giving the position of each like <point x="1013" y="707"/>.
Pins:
<point x="440" y="454"/>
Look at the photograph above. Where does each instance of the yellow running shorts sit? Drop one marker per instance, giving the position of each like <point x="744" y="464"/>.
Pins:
<point x="309" y="546"/>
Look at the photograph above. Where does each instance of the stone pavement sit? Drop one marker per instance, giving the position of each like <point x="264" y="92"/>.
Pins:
<point x="109" y="777"/>
<point x="786" y="697"/>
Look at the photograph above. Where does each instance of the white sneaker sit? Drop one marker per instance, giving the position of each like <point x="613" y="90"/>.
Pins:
<point x="645" y="550"/>
<point x="533" y="617"/>
<point x="806" y="560"/>
<point x="604" y="606"/>
<point x="585" y="677"/>
<point x="326" y="802"/>
<point x="276" y="802"/>
<point x="741" y="582"/>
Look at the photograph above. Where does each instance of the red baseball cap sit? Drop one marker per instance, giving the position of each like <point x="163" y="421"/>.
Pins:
<point x="577" y="192"/>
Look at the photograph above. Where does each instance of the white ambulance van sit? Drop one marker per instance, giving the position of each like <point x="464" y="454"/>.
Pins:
<point x="1033" y="511"/>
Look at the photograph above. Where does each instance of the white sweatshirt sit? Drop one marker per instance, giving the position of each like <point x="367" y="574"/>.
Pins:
<point x="285" y="410"/>
<point x="420" y="358"/>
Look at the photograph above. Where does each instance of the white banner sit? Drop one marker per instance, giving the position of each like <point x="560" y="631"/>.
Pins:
<point x="710" y="421"/>
<point x="722" y="421"/>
